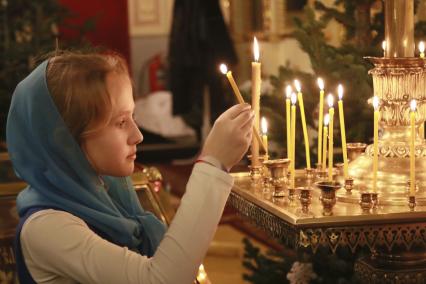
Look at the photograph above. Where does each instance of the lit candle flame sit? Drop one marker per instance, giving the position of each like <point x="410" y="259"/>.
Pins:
<point x="413" y="105"/>
<point x="340" y="91"/>
<point x="330" y="100"/>
<point x="320" y="82"/>
<point x="288" y="91"/>
<point x="264" y="125"/>
<point x="256" y="52"/>
<point x="384" y="45"/>
<point x="376" y="102"/>
<point x="326" y="119"/>
<point x="293" y="98"/>
<point x="202" y="275"/>
<point x="223" y="68"/>
<point x="297" y="85"/>
<point x="421" y="46"/>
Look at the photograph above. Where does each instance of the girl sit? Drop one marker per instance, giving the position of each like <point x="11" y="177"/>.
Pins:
<point x="72" y="138"/>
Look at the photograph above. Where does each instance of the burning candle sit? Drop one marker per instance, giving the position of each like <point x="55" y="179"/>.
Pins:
<point x="413" y="106"/>
<point x="320" y="82"/>
<point x="384" y="48"/>
<point x="375" y="141"/>
<point x="255" y="99"/>
<point x="302" y="115"/>
<point x="293" y="139"/>
<point x="330" y="101"/>
<point x="264" y="125"/>
<point x="324" y="145"/>
<point x="224" y="69"/>
<point x="288" y="91"/>
<point x="422" y="49"/>
<point x="342" y="130"/>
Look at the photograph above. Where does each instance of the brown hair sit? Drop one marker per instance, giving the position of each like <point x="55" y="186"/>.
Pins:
<point x="77" y="84"/>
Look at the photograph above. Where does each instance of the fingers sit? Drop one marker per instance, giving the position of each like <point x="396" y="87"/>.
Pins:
<point x="247" y="125"/>
<point x="235" y="110"/>
<point x="243" y="118"/>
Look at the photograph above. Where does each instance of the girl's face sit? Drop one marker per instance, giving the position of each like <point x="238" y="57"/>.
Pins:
<point x="112" y="149"/>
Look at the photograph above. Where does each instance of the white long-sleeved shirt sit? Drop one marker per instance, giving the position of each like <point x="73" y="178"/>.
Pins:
<point x="59" y="247"/>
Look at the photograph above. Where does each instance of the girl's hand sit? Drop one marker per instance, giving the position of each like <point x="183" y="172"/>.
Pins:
<point x="230" y="136"/>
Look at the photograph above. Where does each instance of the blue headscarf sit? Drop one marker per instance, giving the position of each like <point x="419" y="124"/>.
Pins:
<point x="49" y="159"/>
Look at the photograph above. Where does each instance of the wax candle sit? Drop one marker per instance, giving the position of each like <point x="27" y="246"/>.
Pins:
<point x="422" y="55"/>
<point x="255" y="99"/>
<point x="302" y="115"/>
<point x="422" y="49"/>
<point x="384" y="48"/>
<point x="342" y="131"/>
<point x="324" y="142"/>
<point x="330" y="100"/>
<point x="413" y="106"/>
<point x="375" y="141"/>
<point x="264" y="125"/>
<point x="320" y="82"/>
<point x="288" y="91"/>
<point x="224" y="69"/>
<point x="293" y="140"/>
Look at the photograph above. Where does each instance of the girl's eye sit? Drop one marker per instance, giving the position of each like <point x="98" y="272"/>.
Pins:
<point x="122" y="123"/>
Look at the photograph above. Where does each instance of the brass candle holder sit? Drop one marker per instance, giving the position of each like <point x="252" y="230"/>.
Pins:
<point x="322" y="175"/>
<point x="355" y="150"/>
<point x="305" y="199"/>
<point x="266" y="177"/>
<point x="366" y="202"/>
<point x="292" y="196"/>
<point x="349" y="185"/>
<point x="412" y="202"/>
<point x="328" y="195"/>
<point x="255" y="176"/>
<point x="278" y="169"/>
<point x="257" y="172"/>
<point x="310" y="176"/>
<point x="375" y="200"/>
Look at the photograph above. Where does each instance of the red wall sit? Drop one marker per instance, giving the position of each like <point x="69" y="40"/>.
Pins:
<point x="111" y="26"/>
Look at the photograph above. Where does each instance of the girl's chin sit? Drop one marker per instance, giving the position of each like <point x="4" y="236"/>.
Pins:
<point x="124" y="171"/>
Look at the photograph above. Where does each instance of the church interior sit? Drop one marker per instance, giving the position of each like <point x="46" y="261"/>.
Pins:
<point x="333" y="186"/>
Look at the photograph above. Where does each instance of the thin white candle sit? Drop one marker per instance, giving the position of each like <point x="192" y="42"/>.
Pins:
<point x="320" y="82"/>
<point x="288" y="91"/>
<point x="342" y="130"/>
<point x="413" y="106"/>
<point x="375" y="141"/>
<point x="330" y="100"/>
<point x="264" y="126"/>
<point x="293" y="139"/>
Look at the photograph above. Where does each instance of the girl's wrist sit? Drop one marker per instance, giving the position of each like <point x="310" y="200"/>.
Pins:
<point x="212" y="161"/>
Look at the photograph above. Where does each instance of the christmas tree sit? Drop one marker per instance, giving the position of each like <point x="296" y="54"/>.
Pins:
<point x="28" y="29"/>
<point x="363" y="21"/>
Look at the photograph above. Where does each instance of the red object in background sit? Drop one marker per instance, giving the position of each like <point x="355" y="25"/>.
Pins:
<point x="156" y="74"/>
<point x="111" y="26"/>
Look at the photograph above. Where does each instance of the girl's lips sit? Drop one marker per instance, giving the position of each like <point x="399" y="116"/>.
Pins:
<point x="132" y="156"/>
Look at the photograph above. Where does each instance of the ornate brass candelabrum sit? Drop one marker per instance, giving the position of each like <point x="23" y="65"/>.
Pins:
<point x="396" y="82"/>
